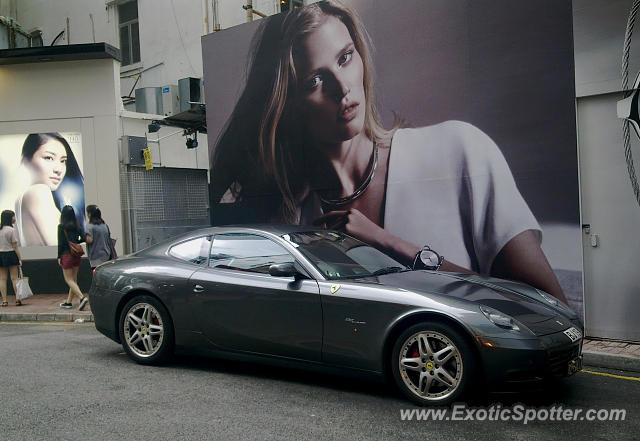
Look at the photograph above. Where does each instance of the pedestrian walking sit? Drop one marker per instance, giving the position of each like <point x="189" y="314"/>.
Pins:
<point x="10" y="258"/>
<point x="70" y="236"/>
<point x="98" y="238"/>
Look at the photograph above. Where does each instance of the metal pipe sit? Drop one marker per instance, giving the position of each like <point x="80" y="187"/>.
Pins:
<point x="205" y="17"/>
<point x="215" y="18"/>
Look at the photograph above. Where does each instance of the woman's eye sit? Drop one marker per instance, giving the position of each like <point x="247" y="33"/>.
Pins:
<point x="313" y="82"/>
<point x="63" y="161"/>
<point x="344" y="58"/>
<point x="48" y="158"/>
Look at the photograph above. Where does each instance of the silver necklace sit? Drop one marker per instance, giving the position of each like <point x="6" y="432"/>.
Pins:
<point x="361" y="189"/>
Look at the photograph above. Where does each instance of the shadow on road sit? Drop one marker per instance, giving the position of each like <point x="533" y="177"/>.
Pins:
<point x="546" y="394"/>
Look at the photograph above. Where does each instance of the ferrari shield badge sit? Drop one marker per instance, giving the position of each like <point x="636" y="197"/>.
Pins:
<point x="334" y="288"/>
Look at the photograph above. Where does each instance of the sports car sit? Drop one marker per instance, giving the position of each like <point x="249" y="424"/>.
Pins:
<point x="320" y="299"/>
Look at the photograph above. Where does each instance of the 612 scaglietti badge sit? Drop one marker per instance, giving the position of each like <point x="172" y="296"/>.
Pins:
<point x="300" y="297"/>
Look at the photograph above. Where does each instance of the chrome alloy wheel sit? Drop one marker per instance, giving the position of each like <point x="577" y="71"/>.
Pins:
<point x="143" y="330"/>
<point x="430" y="365"/>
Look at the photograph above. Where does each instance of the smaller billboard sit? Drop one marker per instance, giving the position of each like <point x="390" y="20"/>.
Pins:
<point x="39" y="174"/>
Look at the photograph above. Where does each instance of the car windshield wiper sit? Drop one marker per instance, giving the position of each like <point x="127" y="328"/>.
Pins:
<point x="388" y="270"/>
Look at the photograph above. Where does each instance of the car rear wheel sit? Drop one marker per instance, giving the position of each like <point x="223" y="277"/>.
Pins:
<point x="146" y="330"/>
<point x="433" y="364"/>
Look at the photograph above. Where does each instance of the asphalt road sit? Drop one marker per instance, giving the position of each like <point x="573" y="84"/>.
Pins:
<point x="69" y="382"/>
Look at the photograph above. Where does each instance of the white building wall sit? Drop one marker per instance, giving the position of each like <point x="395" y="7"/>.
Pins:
<point x="608" y="205"/>
<point x="86" y="19"/>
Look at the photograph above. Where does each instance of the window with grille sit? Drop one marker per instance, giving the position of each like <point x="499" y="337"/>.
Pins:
<point x="129" y="32"/>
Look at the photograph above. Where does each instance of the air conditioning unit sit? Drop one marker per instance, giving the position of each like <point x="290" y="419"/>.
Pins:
<point x="191" y="93"/>
<point x="170" y="100"/>
<point x="149" y="100"/>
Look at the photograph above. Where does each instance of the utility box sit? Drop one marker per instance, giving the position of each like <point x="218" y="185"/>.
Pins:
<point x="191" y="93"/>
<point x="170" y="100"/>
<point x="132" y="147"/>
<point x="149" y="100"/>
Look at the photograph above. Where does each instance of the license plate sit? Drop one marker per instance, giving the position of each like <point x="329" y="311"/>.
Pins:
<point x="573" y="333"/>
<point x="574" y="365"/>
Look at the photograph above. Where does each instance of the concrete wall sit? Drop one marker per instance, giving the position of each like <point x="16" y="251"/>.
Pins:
<point x="608" y="205"/>
<point x="67" y="97"/>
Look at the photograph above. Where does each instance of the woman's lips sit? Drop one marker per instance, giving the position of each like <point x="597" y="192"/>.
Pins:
<point x="349" y="112"/>
<point x="55" y="180"/>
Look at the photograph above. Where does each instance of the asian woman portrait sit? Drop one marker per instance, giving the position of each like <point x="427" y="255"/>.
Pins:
<point x="305" y="145"/>
<point x="56" y="181"/>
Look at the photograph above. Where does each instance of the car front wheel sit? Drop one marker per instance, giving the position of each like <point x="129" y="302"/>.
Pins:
<point x="433" y="364"/>
<point x="146" y="330"/>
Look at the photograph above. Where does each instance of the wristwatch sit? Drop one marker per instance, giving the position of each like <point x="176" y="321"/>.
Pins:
<point x="427" y="259"/>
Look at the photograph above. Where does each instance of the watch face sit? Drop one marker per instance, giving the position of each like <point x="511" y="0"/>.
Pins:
<point x="429" y="258"/>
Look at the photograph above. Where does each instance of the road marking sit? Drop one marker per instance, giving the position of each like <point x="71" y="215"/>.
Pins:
<point x="622" y="377"/>
<point x="45" y="323"/>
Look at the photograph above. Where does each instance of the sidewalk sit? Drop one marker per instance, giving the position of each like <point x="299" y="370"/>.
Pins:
<point x="45" y="308"/>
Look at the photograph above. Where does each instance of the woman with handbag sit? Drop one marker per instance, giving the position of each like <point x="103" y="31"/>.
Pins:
<point x="10" y="258"/>
<point x="98" y="238"/>
<point x="70" y="236"/>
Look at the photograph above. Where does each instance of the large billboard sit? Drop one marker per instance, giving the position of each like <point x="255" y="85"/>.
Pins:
<point x="448" y="124"/>
<point x="39" y="174"/>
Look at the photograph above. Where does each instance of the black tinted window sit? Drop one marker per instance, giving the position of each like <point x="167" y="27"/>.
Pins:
<point x="194" y="251"/>
<point x="246" y="252"/>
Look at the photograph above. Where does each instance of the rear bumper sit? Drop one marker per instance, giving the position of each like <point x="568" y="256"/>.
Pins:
<point x="514" y="364"/>
<point x="104" y="305"/>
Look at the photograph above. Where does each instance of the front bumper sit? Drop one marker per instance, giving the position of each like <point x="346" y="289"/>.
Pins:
<point x="511" y="363"/>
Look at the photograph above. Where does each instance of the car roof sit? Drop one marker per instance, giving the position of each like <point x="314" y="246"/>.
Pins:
<point x="275" y="229"/>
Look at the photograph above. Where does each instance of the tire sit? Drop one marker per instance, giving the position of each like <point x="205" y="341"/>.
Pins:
<point x="419" y="374"/>
<point x="146" y="330"/>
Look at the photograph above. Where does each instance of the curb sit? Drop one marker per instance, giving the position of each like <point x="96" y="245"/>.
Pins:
<point x="44" y="317"/>
<point x="611" y="361"/>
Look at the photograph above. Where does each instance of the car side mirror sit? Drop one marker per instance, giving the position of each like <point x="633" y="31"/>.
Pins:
<point x="284" y="270"/>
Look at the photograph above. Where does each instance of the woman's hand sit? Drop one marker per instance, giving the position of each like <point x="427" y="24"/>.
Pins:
<point x="19" y="262"/>
<point x="355" y="223"/>
<point x="59" y="262"/>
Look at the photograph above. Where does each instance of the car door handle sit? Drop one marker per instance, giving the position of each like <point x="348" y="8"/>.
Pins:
<point x="198" y="288"/>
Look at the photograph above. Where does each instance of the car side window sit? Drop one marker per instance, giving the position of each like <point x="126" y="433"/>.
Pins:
<point x="194" y="250"/>
<point x="246" y="252"/>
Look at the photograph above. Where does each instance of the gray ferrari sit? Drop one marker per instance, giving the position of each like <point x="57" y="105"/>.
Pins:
<point x="320" y="299"/>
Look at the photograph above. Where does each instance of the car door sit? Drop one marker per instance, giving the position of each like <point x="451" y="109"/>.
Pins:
<point x="240" y="307"/>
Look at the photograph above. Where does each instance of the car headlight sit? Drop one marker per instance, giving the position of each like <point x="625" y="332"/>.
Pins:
<point x="553" y="301"/>
<point x="499" y="319"/>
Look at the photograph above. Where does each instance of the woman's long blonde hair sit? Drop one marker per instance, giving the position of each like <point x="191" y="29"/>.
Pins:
<point x="278" y="163"/>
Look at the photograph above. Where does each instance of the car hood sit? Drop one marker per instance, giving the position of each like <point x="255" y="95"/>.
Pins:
<point x="519" y="301"/>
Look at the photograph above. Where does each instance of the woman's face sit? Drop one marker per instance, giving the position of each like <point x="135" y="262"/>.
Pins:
<point x="332" y="100"/>
<point x="49" y="164"/>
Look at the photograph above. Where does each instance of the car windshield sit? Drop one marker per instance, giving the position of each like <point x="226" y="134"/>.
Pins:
<point x="338" y="256"/>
